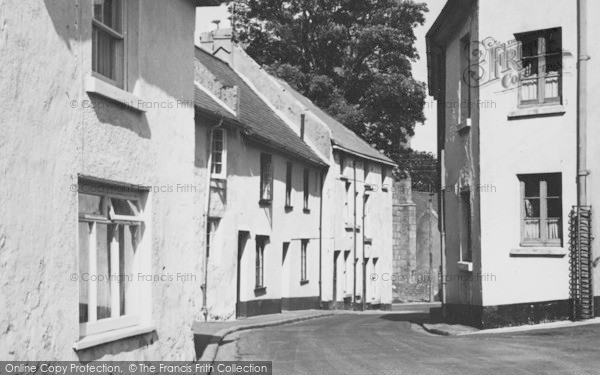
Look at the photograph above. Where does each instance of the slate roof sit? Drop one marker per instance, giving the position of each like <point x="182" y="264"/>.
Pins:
<point x="254" y="114"/>
<point x="340" y="135"/>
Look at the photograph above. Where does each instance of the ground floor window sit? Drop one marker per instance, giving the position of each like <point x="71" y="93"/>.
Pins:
<point x="260" y="261"/>
<point x="110" y="230"/>
<point x="303" y="251"/>
<point x="541" y="209"/>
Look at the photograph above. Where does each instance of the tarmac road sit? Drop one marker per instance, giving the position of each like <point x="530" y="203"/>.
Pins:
<point x="387" y="344"/>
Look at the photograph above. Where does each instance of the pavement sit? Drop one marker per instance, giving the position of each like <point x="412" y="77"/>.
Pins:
<point x="395" y="343"/>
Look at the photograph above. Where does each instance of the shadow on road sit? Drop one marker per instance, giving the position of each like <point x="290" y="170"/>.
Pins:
<point x="417" y="318"/>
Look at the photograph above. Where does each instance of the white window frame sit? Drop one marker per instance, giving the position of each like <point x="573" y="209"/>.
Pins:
<point x="223" y="174"/>
<point x="116" y="322"/>
<point x="303" y="260"/>
<point x="120" y="58"/>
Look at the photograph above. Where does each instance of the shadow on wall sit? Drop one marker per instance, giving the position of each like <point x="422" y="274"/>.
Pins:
<point x="64" y="17"/>
<point x="111" y="113"/>
<point x="114" y="348"/>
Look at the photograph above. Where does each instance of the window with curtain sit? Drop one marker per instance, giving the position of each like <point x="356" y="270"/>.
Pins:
<point x="541" y="62"/>
<point x="108" y="43"/>
<point x="288" y="184"/>
<point x="260" y="262"/>
<point x="303" y="250"/>
<point x="218" y="167"/>
<point x="541" y="209"/>
<point x="266" y="177"/>
<point x="306" y="188"/>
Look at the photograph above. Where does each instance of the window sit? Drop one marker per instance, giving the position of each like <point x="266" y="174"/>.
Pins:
<point x="347" y="213"/>
<point x="288" y="185"/>
<point x="306" y="188"/>
<point x="110" y="230"/>
<point x="465" y="83"/>
<point x="541" y="209"/>
<point x="466" y="251"/>
<point x="383" y="176"/>
<point x="303" y="247"/>
<point x="266" y="177"/>
<point x="211" y="229"/>
<point x="260" y="261"/>
<point x="541" y="63"/>
<point x="367" y="167"/>
<point x="342" y="164"/>
<point x="108" y="43"/>
<point x="218" y="168"/>
<point x="347" y="282"/>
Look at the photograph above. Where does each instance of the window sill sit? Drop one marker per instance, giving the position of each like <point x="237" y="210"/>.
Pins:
<point x="260" y="290"/>
<point x="265" y="202"/>
<point x="303" y="282"/>
<point x="288" y="208"/>
<point x="538" y="252"/>
<point x="465" y="266"/>
<point x="97" y="86"/>
<point x="306" y="210"/>
<point x="110" y="336"/>
<point x="344" y="178"/>
<point x="537" y="111"/>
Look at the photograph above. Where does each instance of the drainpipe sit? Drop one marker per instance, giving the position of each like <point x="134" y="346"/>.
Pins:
<point x="354" y="232"/>
<point x="206" y="212"/>
<point x="442" y="227"/>
<point x="321" y="242"/>
<point x="582" y="60"/>
<point x="364" y="264"/>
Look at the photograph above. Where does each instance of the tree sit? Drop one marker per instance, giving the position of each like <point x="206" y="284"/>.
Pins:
<point x="351" y="57"/>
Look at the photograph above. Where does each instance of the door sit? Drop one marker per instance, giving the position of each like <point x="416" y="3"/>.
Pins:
<point x="336" y="255"/>
<point x="242" y="238"/>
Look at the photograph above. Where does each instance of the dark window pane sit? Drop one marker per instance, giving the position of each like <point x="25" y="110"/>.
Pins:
<point x="532" y="186"/>
<point x="90" y="204"/>
<point x="529" y="45"/>
<point x="127" y="246"/>
<point x="554" y="185"/>
<point x="554" y="41"/>
<point x="104" y="58"/>
<point x="532" y="208"/>
<point x="554" y="208"/>
<point x="84" y="249"/>
<point x="103" y="270"/>
<point x="125" y="207"/>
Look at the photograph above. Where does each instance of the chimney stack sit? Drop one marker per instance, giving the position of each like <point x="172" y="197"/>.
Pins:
<point x="218" y="42"/>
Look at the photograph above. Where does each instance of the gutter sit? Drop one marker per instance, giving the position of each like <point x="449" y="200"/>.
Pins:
<point x="363" y="156"/>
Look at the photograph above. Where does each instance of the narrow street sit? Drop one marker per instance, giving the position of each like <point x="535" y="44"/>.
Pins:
<point x="393" y="344"/>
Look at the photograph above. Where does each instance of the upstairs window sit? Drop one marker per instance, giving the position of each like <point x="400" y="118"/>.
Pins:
<point x="306" y="188"/>
<point x="266" y="177"/>
<point x="465" y="83"/>
<point x="288" y="185"/>
<point x="108" y="43"/>
<point x="541" y="209"/>
<point x="218" y="168"/>
<point x="541" y="62"/>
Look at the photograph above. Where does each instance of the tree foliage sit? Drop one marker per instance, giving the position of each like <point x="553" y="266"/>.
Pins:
<point x="351" y="57"/>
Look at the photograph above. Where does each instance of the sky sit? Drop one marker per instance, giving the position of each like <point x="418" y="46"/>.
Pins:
<point x="425" y="134"/>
